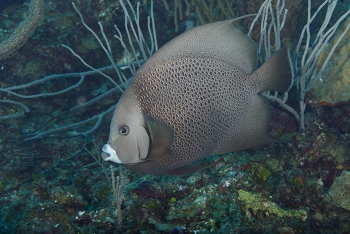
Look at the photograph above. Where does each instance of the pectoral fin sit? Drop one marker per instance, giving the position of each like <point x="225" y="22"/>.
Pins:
<point x="161" y="136"/>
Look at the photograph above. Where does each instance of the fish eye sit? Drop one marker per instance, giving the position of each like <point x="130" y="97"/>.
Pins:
<point x="124" y="130"/>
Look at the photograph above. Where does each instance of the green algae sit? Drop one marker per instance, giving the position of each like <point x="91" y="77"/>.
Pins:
<point x="258" y="203"/>
<point x="273" y="164"/>
<point x="205" y="206"/>
<point x="259" y="173"/>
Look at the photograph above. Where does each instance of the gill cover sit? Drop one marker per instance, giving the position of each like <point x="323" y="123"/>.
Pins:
<point x="128" y="139"/>
<point x="132" y="148"/>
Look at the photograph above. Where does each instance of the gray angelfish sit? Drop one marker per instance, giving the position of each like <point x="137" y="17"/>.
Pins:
<point x="196" y="97"/>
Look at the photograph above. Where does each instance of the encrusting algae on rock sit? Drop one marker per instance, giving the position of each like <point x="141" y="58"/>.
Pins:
<point x="258" y="203"/>
<point x="340" y="190"/>
<point x="334" y="85"/>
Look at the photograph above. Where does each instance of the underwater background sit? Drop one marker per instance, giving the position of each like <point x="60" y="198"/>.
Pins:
<point x="53" y="179"/>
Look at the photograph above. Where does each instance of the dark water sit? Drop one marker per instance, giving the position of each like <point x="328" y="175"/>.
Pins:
<point x="5" y="3"/>
<point x="52" y="178"/>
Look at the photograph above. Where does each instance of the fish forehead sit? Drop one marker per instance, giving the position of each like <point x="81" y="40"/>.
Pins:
<point x="203" y="100"/>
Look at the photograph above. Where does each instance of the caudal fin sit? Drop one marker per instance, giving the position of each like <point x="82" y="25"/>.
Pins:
<point x="276" y="74"/>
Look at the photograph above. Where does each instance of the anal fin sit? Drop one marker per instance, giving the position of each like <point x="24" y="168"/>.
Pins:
<point x="185" y="170"/>
<point x="256" y="126"/>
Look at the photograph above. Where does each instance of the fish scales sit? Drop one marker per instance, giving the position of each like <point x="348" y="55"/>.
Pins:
<point x="207" y="98"/>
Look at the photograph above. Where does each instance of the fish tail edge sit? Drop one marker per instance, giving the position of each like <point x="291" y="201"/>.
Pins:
<point x="276" y="74"/>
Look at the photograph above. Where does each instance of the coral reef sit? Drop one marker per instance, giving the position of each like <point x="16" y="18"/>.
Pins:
<point x="202" y="11"/>
<point x="340" y="190"/>
<point x="334" y="84"/>
<point x="254" y="203"/>
<point x="292" y="26"/>
<point x="24" y="30"/>
<point x="205" y="208"/>
<point x="259" y="174"/>
<point x="44" y="189"/>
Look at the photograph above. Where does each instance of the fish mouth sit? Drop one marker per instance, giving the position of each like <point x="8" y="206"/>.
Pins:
<point x="105" y="156"/>
<point x="109" y="154"/>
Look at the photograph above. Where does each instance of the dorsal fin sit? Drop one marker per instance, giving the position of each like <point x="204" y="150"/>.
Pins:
<point x="220" y="40"/>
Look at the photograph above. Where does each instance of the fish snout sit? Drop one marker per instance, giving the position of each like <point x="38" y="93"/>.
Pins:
<point x="109" y="154"/>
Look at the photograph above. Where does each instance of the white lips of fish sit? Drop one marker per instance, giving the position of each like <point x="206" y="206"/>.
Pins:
<point x="109" y="154"/>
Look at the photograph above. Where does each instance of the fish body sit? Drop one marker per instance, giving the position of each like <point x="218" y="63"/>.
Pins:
<point x="196" y="97"/>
